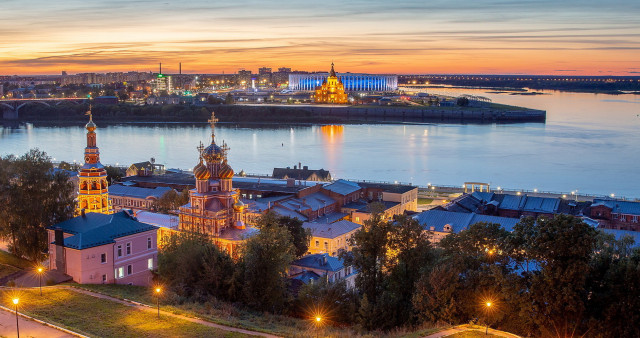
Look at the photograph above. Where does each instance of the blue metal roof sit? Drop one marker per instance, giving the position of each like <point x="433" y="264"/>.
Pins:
<point x="459" y="220"/>
<point x="619" y="207"/>
<point x="137" y="192"/>
<point x="317" y="261"/>
<point x="343" y="187"/>
<point x="95" y="229"/>
<point x="331" y="230"/>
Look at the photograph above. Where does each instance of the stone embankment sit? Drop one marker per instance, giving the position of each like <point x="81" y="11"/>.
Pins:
<point x="390" y="113"/>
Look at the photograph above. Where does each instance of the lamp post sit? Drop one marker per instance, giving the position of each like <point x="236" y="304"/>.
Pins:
<point x="158" y="290"/>
<point x="318" y="323"/>
<point x="486" y="332"/>
<point x="40" y="270"/>
<point x="15" y="302"/>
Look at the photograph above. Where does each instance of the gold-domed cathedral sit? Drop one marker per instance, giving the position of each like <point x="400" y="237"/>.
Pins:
<point x="93" y="189"/>
<point x="332" y="91"/>
<point x="214" y="207"/>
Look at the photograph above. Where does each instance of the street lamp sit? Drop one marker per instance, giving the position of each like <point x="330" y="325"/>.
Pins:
<point x="15" y="302"/>
<point x="158" y="290"/>
<point x="488" y="306"/>
<point x="318" y="323"/>
<point x="40" y="270"/>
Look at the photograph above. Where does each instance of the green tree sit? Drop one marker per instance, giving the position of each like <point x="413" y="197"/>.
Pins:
<point x="195" y="268"/>
<point x="228" y="99"/>
<point x="171" y="201"/>
<point x="300" y="236"/>
<point x="33" y="197"/>
<point x="114" y="174"/>
<point x="265" y="258"/>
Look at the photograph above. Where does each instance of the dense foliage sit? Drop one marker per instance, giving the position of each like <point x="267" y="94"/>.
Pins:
<point x="33" y="196"/>
<point x="171" y="201"/>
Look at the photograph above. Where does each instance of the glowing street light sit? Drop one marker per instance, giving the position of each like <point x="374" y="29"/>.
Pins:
<point x="318" y="322"/>
<point x="15" y="302"/>
<point x="157" y="291"/>
<point x="489" y="305"/>
<point x="40" y="271"/>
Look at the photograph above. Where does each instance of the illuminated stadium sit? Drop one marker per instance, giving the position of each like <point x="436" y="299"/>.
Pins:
<point x="351" y="81"/>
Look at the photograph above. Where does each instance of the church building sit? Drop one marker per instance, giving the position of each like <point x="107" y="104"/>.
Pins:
<point x="332" y="91"/>
<point x="93" y="194"/>
<point x="214" y="207"/>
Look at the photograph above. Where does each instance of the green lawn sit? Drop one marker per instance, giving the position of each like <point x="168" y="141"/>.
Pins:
<point x="9" y="259"/>
<point x="228" y="314"/>
<point x="6" y="270"/>
<point x="103" y="318"/>
<point x="425" y="200"/>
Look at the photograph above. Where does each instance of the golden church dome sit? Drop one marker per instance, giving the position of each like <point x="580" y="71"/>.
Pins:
<point x="238" y="206"/>
<point x="225" y="171"/>
<point x="212" y="153"/>
<point x="90" y="125"/>
<point x="201" y="172"/>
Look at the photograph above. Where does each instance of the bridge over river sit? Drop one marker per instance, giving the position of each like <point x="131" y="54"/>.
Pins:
<point x="11" y="107"/>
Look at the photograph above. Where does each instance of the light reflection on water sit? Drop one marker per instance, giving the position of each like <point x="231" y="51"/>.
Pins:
<point x="590" y="142"/>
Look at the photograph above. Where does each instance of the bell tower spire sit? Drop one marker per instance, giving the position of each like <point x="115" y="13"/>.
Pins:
<point x="93" y="193"/>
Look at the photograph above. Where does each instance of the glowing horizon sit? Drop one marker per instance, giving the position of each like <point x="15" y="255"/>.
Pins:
<point x="406" y="37"/>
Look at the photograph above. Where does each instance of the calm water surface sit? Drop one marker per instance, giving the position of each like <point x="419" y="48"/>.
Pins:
<point x="590" y="142"/>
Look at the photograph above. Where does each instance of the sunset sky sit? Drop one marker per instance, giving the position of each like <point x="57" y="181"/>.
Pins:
<point x="490" y="37"/>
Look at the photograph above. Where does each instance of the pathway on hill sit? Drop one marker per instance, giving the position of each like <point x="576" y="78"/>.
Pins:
<point x="466" y="327"/>
<point x="154" y="310"/>
<point x="28" y="328"/>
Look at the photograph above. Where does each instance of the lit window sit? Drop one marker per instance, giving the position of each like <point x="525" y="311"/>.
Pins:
<point x="150" y="263"/>
<point x="120" y="272"/>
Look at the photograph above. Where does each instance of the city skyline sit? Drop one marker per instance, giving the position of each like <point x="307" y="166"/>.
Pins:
<point x="486" y="37"/>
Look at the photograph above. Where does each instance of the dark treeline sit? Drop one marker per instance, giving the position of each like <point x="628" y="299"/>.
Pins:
<point x="550" y="277"/>
<point x="170" y="113"/>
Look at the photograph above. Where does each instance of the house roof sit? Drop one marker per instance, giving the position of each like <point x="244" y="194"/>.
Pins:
<point x="286" y="212"/>
<point x="235" y="234"/>
<point x="331" y="230"/>
<point x="94" y="229"/>
<point x="619" y="207"/>
<point x="342" y="187"/>
<point x="137" y="192"/>
<point x="459" y="220"/>
<point x="157" y="219"/>
<point x="322" y="262"/>
<point x="331" y="217"/>
<point x="142" y="165"/>
<point x="305" y="276"/>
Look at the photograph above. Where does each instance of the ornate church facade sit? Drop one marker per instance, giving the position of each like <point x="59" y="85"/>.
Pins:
<point x="93" y="193"/>
<point x="332" y="91"/>
<point x="214" y="207"/>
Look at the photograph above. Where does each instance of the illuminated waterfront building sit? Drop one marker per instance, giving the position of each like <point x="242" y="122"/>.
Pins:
<point x="351" y="81"/>
<point x="214" y="207"/>
<point x="331" y="91"/>
<point x="93" y="193"/>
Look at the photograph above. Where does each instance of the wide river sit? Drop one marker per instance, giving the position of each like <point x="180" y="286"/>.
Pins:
<point x="590" y="142"/>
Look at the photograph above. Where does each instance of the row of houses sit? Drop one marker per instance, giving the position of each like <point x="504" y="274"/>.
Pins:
<point x="607" y="213"/>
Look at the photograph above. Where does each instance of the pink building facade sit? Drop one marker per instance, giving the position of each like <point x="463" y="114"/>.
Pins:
<point x="104" y="249"/>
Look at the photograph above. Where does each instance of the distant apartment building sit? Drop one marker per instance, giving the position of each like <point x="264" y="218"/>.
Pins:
<point x="162" y="83"/>
<point x="301" y="173"/>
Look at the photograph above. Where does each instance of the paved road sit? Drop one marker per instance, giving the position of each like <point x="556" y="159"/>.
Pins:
<point x="28" y="328"/>
<point x="165" y="313"/>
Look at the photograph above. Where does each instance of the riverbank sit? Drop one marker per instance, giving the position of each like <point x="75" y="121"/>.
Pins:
<point x="291" y="113"/>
